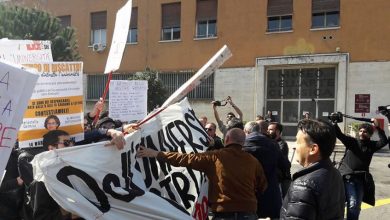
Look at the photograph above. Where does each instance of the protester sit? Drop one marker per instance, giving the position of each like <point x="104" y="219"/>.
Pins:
<point x="317" y="191"/>
<point x="267" y="152"/>
<point x="354" y="166"/>
<point x="11" y="190"/>
<point x="222" y="127"/>
<point x="274" y="131"/>
<point x="216" y="142"/>
<point x="234" y="175"/>
<point x="259" y="117"/>
<point x="263" y="126"/>
<point x="269" y="117"/>
<point x="203" y="121"/>
<point x="52" y="122"/>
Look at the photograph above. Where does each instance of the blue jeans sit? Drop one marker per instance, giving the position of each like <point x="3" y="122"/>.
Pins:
<point x="354" y="190"/>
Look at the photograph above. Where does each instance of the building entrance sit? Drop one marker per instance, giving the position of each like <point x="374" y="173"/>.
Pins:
<point x="292" y="92"/>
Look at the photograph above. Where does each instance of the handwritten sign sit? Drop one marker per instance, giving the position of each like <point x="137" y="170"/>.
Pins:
<point x="128" y="99"/>
<point x="59" y="92"/>
<point x="25" y="51"/>
<point x="16" y="86"/>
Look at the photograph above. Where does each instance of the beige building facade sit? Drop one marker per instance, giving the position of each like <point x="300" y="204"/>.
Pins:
<point x="289" y="56"/>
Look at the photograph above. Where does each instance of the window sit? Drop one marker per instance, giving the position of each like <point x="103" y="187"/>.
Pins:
<point x="172" y="81"/>
<point x="325" y="13"/>
<point x="279" y="13"/>
<point x="170" y="29"/>
<point x="98" y="27"/>
<point x="206" y="18"/>
<point x="65" y="21"/>
<point x="132" y="37"/>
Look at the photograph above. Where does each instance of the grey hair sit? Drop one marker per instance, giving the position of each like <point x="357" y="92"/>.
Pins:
<point x="251" y="127"/>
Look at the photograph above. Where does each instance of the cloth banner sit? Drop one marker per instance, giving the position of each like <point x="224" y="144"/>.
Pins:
<point x="16" y="86"/>
<point x="25" y="51"/>
<point x="58" y="92"/>
<point x="100" y="182"/>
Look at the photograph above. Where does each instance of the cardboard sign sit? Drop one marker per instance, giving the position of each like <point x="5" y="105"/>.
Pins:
<point x="16" y="86"/>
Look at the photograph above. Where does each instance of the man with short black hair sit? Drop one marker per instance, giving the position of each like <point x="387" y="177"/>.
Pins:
<point x="354" y="166"/>
<point x="234" y="175"/>
<point x="317" y="191"/>
<point x="275" y="132"/>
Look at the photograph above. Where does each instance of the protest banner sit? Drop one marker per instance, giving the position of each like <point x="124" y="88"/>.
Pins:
<point x="99" y="182"/>
<point x="59" y="92"/>
<point x="128" y="99"/>
<point x="119" y="38"/>
<point x="16" y="86"/>
<point x="25" y="51"/>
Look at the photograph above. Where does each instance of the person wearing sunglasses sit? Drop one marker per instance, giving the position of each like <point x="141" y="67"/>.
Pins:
<point x="215" y="141"/>
<point x="221" y="126"/>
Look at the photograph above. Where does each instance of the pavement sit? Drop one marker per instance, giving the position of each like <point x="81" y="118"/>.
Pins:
<point x="381" y="173"/>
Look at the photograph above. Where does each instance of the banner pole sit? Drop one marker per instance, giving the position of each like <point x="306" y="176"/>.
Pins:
<point x="95" y="120"/>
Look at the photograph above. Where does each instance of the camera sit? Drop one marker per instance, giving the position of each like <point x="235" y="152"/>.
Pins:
<point x="384" y="110"/>
<point x="336" y="117"/>
<point x="217" y="103"/>
<point x="220" y="103"/>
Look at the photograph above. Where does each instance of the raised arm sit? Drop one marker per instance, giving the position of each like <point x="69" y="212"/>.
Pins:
<point x="239" y="112"/>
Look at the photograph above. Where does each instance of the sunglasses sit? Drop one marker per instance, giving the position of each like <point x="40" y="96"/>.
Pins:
<point x="209" y="129"/>
<point x="67" y="143"/>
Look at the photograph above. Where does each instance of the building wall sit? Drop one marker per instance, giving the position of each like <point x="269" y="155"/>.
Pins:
<point x="363" y="33"/>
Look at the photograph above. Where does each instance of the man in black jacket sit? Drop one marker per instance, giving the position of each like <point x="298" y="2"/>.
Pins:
<point x="267" y="152"/>
<point x="317" y="191"/>
<point x="354" y="166"/>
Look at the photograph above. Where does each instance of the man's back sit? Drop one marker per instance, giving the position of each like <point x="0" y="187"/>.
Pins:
<point x="317" y="192"/>
<point x="268" y="153"/>
<point x="234" y="176"/>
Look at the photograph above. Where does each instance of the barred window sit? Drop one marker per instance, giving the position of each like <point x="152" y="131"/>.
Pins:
<point x="65" y="21"/>
<point x="97" y="84"/>
<point x="172" y="81"/>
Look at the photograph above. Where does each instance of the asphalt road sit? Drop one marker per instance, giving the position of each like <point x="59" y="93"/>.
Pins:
<point x="381" y="173"/>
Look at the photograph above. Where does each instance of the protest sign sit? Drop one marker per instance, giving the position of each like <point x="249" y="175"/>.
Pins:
<point x="98" y="182"/>
<point x="25" y="51"/>
<point x="59" y="92"/>
<point x="16" y="86"/>
<point x="128" y="99"/>
<point x="119" y="38"/>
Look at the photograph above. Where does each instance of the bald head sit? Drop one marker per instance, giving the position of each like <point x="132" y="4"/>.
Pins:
<point x="263" y="126"/>
<point x="235" y="136"/>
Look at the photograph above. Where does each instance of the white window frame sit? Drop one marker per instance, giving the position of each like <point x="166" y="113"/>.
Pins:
<point x="100" y="39"/>
<point x="129" y="39"/>
<point x="208" y="35"/>
<point x="280" y="24"/>
<point x="171" y="32"/>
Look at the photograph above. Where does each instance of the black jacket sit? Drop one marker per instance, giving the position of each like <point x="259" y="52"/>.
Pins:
<point x="358" y="153"/>
<point x="317" y="192"/>
<point x="267" y="152"/>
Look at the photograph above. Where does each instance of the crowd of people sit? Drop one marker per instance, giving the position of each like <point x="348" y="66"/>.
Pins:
<point x="248" y="168"/>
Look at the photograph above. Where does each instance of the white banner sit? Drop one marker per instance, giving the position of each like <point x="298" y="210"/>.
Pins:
<point x="119" y="38"/>
<point x="25" y="51"/>
<point x="16" y="86"/>
<point x="128" y="99"/>
<point x="98" y="182"/>
<point x="58" y="92"/>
